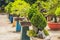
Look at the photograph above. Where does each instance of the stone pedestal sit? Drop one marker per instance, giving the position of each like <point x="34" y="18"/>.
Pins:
<point x="11" y="18"/>
<point x="18" y="26"/>
<point x="25" y="28"/>
<point x="24" y="33"/>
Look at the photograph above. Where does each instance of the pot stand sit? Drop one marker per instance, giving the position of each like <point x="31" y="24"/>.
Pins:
<point x="25" y="28"/>
<point x="24" y="33"/>
<point x="11" y="18"/>
<point x="18" y="26"/>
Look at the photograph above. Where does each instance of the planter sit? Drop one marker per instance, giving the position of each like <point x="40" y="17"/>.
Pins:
<point x="21" y="19"/>
<point x="54" y="26"/>
<point x="25" y="23"/>
<point x="17" y="18"/>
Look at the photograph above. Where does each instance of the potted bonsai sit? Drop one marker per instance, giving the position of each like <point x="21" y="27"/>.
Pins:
<point x="55" y="24"/>
<point x="20" y="8"/>
<point x="38" y="21"/>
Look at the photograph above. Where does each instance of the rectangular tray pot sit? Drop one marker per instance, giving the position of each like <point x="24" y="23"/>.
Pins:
<point x="21" y="19"/>
<point x="25" y="23"/>
<point x="14" y="15"/>
<point x="54" y="26"/>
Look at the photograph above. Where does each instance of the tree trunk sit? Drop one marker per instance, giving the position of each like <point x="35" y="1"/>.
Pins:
<point x="55" y="19"/>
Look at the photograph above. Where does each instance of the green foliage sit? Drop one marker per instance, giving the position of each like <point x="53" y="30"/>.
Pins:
<point x="32" y="11"/>
<point x="38" y="20"/>
<point x="20" y="7"/>
<point x="46" y="32"/>
<point x="42" y="5"/>
<point x="30" y="1"/>
<point x="57" y="12"/>
<point x="45" y="5"/>
<point x="50" y="12"/>
<point x="31" y="33"/>
<point x="8" y="7"/>
<point x="53" y="6"/>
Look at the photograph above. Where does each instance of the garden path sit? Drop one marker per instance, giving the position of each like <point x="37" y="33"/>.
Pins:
<point x="6" y="29"/>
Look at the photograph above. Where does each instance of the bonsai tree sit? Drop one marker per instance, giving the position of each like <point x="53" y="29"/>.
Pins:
<point x="54" y="10"/>
<point x="55" y="13"/>
<point x="39" y="21"/>
<point x="20" y="8"/>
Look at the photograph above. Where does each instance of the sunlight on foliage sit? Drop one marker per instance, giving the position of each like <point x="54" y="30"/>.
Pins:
<point x="20" y="7"/>
<point x="57" y="12"/>
<point x="8" y="7"/>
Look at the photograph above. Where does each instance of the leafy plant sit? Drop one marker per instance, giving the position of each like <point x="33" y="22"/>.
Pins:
<point x="8" y="7"/>
<point x="46" y="32"/>
<point x="20" y="8"/>
<point x="31" y="12"/>
<point x="38" y="20"/>
<point x="31" y="33"/>
<point x="57" y="12"/>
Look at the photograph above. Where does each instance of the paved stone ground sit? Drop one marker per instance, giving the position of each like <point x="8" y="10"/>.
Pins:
<point x="6" y="30"/>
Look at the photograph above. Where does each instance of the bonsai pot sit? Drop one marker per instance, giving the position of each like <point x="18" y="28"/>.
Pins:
<point x="54" y="26"/>
<point x="21" y="19"/>
<point x="25" y="24"/>
<point x="14" y="15"/>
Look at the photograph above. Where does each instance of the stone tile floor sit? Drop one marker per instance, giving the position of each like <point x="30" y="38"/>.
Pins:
<point x="6" y="30"/>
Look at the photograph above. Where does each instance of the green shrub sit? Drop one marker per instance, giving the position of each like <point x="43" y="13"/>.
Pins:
<point x="20" y="7"/>
<point x="46" y="32"/>
<point x="31" y="33"/>
<point x="32" y="11"/>
<point x="38" y="20"/>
